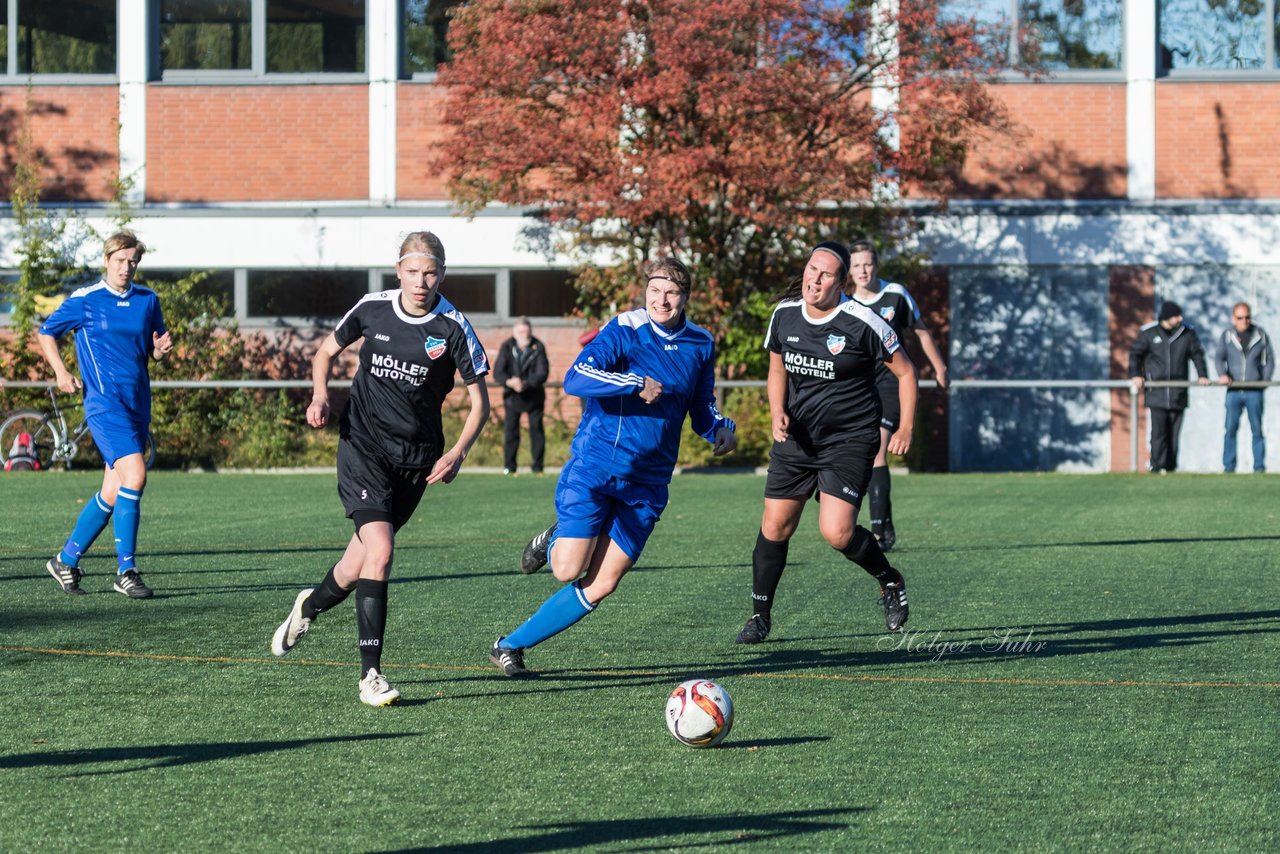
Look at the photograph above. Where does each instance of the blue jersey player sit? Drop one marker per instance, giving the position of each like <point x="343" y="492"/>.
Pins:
<point x="639" y="378"/>
<point x="118" y="326"/>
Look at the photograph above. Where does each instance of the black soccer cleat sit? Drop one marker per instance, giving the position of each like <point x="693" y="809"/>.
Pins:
<point x="887" y="537"/>
<point x="130" y="584"/>
<point x="68" y="577"/>
<point x="895" y="604"/>
<point x="535" y="554"/>
<point x="509" y="661"/>
<point x="755" y="631"/>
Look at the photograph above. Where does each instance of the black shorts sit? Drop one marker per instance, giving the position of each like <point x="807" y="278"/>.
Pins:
<point x="373" y="490"/>
<point x="841" y="469"/>
<point x="890" y="408"/>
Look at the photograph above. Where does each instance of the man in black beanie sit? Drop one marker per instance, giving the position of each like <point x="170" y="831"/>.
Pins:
<point x="1163" y="351"/>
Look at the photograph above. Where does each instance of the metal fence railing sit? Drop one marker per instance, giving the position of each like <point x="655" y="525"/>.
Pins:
<point x="1081" y="385"/>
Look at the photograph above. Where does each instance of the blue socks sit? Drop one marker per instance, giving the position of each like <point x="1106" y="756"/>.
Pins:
<point x="93" y="519"/>
<point x="127" y="517"/>
<point x="566" y="607"/>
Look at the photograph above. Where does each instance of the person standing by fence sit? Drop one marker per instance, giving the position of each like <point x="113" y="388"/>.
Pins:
<point x="118" y="327"/>
<point x="521" y="367"/>
<point x="1244" y="355"/>
<point x="1163" y="351"/>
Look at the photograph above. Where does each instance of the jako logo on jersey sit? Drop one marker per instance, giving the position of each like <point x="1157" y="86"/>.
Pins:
<point x="792" y="339"/>
<point x="378" y="336"/>
<point x="123" y="304"/>
<point x="670" y="346"/>
<point x="887" y="312"/>
<point x="835" y="343"/>
<point x="435" y="347"/>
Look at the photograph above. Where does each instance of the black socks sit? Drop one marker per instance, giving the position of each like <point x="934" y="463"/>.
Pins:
<point x="865" y="552"/>
<point x="371" y="621"/>
<point x="767" y="562"/>
<point x="880" y="505"/>
<point x="325" y="596"/>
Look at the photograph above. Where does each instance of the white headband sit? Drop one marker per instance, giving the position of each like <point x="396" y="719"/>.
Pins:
<point x="435" y="258"/>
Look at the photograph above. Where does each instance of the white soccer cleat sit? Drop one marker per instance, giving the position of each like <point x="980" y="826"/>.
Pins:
<point x="293" y="628"/>
<point x="375" y="691"/>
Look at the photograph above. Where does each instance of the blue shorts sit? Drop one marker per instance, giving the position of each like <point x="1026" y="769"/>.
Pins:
<point x="590" y="501"/>
<point x="117" y="435"/>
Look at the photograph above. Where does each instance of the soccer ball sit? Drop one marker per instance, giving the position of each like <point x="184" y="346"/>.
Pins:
<point x="699" y="713"/>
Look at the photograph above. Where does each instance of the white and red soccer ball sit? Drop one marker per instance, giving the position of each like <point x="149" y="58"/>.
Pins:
<point x="699" y="713"/>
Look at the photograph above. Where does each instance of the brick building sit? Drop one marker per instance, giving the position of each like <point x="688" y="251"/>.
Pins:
<point x="281" y="144"/>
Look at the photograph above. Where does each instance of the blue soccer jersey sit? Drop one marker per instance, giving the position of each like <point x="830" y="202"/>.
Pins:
<point x="619" y="432"/>
<point x="113" y="344"/>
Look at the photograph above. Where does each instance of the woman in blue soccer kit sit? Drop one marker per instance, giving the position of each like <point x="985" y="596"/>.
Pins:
<point x="392" y="444"/>
<point x="824" y="350"/>
<point x="639" y="379"/>
<point x="118" y="327"/>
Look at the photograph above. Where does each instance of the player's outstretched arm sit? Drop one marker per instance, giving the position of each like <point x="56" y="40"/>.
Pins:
<point x="67" y="381"/>
<point x="447" y="467"/>
<point x="900" y="364"/>
<point x="777" y="387"/>
<point x="934" y="355"/>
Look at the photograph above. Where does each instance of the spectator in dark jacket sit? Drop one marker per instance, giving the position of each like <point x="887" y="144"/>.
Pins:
<point x="1244" y="356"/>
<point x="521" y="367"/>
<point x="1162" y="352"/>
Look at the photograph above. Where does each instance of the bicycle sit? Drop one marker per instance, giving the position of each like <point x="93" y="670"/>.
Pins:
<point x="52" y="441"/>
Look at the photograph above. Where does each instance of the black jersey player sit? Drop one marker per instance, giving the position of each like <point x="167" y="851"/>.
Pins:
<point x="824" y="350"/>
<point x="893" y="304"/>
<point x="392" y="443"/>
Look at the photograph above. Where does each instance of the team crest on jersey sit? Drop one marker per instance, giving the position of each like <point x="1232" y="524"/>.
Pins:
<point x="887" y="313"/>
<point x="835" y="343"/>
<point x="435" y="347"/>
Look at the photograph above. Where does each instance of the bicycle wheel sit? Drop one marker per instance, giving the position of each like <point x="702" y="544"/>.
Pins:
<point x="149" y="450"/>
<point x="38" y="425"/>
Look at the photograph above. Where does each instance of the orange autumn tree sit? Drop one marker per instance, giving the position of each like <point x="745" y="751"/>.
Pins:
<point x="733" y="134"/>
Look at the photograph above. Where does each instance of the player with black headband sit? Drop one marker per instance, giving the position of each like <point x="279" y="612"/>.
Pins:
<point x="392" y="443"/>
<point x="823" y="353"/>
<point x="893" y="304"/>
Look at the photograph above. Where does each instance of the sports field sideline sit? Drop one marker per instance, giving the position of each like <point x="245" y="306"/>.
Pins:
<point x="1090" y="663"/>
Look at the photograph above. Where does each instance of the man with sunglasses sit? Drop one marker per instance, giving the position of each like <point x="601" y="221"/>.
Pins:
<point x="1244" y="356"/>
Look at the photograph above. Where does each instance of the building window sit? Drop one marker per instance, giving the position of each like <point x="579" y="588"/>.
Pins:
<point x="260" y="37"/>
<point x="542" y="293"/>
<point x="305" y="293"/>
<point x="213" y="284"/>
<point x="1234" y="35"/>
<point x="424" y="31"/>
<point x="306" y="36"/>
<point x="66" y="37"/>
<point x="205" y="34"/>
<point x="1058" y="35"/>
<point x="470" y="293"/>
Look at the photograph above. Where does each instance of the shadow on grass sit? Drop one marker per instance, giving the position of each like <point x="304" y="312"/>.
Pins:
<point x="169" y="755"/>
<point x="650" y="833"/>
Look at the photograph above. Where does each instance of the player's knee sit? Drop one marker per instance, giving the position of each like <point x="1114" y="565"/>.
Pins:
<point x="566" y="571"/>
<point x="838" y="537"/>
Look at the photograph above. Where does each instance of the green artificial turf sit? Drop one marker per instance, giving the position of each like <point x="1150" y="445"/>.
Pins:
<point x="1090" y="664"/>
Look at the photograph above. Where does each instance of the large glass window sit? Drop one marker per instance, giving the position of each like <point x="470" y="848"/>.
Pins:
<point x="1059" y="35"/>
<point x="1218" y="34"/>
<point x="305" y="293"/>
<point x="205" y="34"/>
<point x="541" y="293"/>
<point x="65" y="37"/>
<point x="262" y="36"/>
<point x="315" y="35"/>
<point x="470" y="293"/>
<point x="425" y="29"/>
<point x="4" y="39"/>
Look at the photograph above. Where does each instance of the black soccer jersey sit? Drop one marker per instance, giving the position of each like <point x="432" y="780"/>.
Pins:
<point x="831" y="367"/>
<point x="895" y="307"/>
<point x="407" y="365"/>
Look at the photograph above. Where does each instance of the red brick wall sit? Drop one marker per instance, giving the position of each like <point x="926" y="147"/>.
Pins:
<point x="1217" y="140"/>
<point x="1132" y="294"/>
<point x="73" y="129"/>
<point x="1068" y="143"/>
<point x="418" y="130"/>
<point x="257" y="143"/>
